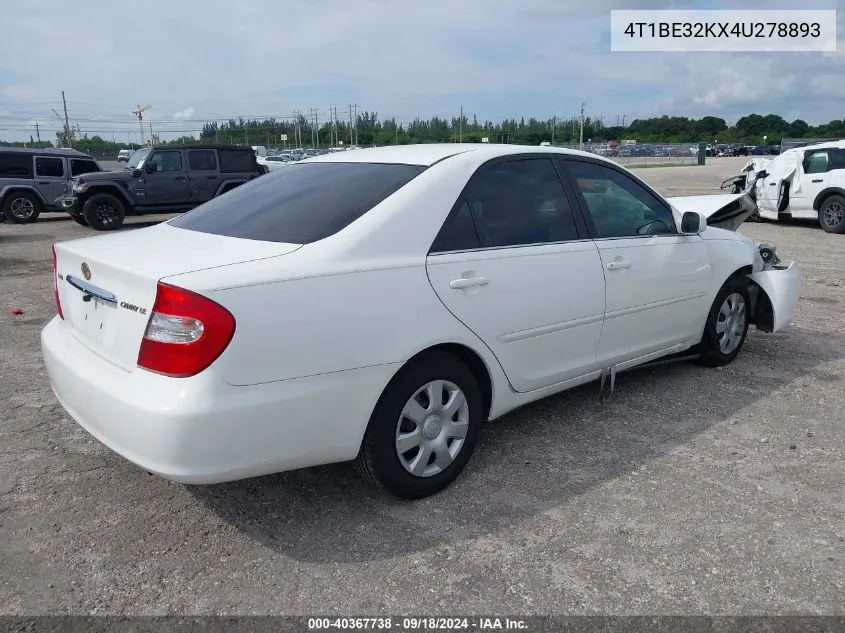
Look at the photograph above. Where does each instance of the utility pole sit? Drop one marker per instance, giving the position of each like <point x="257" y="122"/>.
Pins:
<point x="67" y="121"/>
<point x="139" y="112"/>
<point x="355" y="106"/>
<point x="351" y="143"/>
<point x="37" y="132"/>
<point x="152" y="138"/>
<point x="336" y="139"/>
<point x="317" y="127"/>
<point x="461" y="127"/>
<point x="554" y="125"/>
<point x="623" y="120"/>
<point x="581" y="136"/>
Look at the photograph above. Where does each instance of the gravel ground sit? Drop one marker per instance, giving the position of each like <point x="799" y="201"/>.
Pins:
<point x="693" y="491"/>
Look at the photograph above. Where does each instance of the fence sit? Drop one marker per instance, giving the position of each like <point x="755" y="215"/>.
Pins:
<point x="629" y="154"/>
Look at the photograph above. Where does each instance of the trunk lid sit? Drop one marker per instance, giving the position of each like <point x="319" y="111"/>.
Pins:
<point x="725" y="211"/>
<point x="107" y="284"/>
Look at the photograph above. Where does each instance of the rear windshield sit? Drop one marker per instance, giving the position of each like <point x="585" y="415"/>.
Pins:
<point x="300" y="204"/>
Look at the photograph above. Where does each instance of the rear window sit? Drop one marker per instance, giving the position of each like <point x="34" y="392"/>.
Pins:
<point x="237" y="160"/>
<point x="15" y="165"/>
<point x="300" y="204"/>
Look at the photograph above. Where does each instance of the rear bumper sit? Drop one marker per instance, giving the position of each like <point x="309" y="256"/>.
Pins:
<point x="202" y="430"/>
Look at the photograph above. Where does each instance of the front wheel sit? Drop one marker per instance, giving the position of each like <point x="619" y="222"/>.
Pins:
<point x="727" y="324"/>
<point x="832" y="214"/>
<point x="424" y="427"/>
<point x="103" y="212"/>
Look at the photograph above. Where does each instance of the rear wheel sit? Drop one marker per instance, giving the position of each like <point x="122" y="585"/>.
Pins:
<point x="727" y="324"/>
<point x="424" y="428"/>
<point x="103" y="212"/>
<point x="832" y="214"/>
<point x="21" y="207"/>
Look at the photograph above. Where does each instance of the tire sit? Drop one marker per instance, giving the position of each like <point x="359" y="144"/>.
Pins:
<point x="103" y="212"/>
<point x="379" y="459"/>
<point x="21" y="207"/>
<point x="832" y="214"/>
<point x="726" y="306"/>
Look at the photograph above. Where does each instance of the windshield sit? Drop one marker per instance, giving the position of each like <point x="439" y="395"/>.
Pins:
<point x="137" y="158"/>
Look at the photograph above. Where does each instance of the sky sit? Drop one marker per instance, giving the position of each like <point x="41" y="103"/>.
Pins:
<point x="203" y="60"/>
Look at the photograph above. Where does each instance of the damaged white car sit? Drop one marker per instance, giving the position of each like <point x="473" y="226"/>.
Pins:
<point x="381" y="304"/>
<point x="802" y="183"/>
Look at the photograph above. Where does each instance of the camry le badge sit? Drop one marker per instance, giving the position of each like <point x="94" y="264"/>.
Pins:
<point x="86" y="271"/>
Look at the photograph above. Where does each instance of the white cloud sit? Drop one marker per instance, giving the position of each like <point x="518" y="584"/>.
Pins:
<point x="185" y="114"/>
<point x="496" y="58"/>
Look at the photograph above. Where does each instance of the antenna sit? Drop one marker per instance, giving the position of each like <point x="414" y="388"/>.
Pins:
<point x="139" y="112"/>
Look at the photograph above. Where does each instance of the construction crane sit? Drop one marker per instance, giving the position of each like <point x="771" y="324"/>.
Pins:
<point x="139" y="112"/>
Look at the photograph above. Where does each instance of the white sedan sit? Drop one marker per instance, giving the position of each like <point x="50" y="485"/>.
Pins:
<point x="381" y="304"/>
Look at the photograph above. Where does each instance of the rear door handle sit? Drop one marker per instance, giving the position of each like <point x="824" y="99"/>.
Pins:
<point x="180" y="178"/>
<point x="468" y="282"/>
<point x="47" y="182"/>
<point x="618" y="264"/>
<point x="817" y="180"/>
<point x="212" y="177"/>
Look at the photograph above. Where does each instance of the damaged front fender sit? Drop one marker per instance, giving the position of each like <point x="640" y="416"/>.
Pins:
<point x="775" y="293"/>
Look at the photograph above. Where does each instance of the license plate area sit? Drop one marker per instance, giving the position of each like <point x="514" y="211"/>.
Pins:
<point x="93" y="315"/>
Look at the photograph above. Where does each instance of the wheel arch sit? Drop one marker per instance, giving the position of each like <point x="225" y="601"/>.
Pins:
<point x="10" y="189"/>
<point x="113" y="190"/>
<point x="228" y="185"/>
<point x="824" y="194"/>
<point x="472" y="359"/>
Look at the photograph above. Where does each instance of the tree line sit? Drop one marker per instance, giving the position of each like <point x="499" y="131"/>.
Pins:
<point x="370" y="130"/>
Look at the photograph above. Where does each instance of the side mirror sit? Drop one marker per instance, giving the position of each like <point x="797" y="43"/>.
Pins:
<point x="693" y="223"/>
<point x="151" y="167"/>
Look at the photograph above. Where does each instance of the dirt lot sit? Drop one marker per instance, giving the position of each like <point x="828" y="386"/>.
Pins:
<point x="692" y="491"/>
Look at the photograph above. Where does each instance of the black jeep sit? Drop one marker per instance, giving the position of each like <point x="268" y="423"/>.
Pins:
<point x="165" y="179"/>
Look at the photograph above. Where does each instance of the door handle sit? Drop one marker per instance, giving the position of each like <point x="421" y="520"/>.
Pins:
<point x="468" y="282"/>
<point x="180" y="178"/>
<point x="817" y="180"/>
<point x="43" y="182"/>
<point x="618" y="264"/>
<point x="212" y="177"/>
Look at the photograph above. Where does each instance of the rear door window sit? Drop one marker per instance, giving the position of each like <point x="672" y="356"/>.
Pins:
<point x="202" y="160"/>
<point x="49" y="167"/>
<point x="300" y="204"/>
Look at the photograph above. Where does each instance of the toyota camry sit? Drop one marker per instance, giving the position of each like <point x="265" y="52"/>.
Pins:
<point x="379" y="305"/>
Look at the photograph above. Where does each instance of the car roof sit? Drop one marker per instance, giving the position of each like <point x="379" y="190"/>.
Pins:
<point x="427" y="154"/>
<point x="837" y="144"/>
<point x="56" y="151"/>
<point x="203" y="146"/>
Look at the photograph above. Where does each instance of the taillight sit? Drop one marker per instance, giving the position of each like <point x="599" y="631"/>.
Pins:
<point x="56" y="285"/>
<point x="185" y="334"/>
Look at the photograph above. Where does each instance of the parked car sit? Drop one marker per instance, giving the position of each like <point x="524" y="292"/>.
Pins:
<point x="802" y="183"/>
<point x="159" y="180"/>
<point x="737" y="149"/>
<point x="32" y="179"/>
<point x="124" y="155"/>
<point x="380" y="305"/>
<point x="275" y="162"/>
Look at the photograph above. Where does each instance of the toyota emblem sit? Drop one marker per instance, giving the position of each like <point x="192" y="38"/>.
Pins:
<point x="86" y="271"/>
